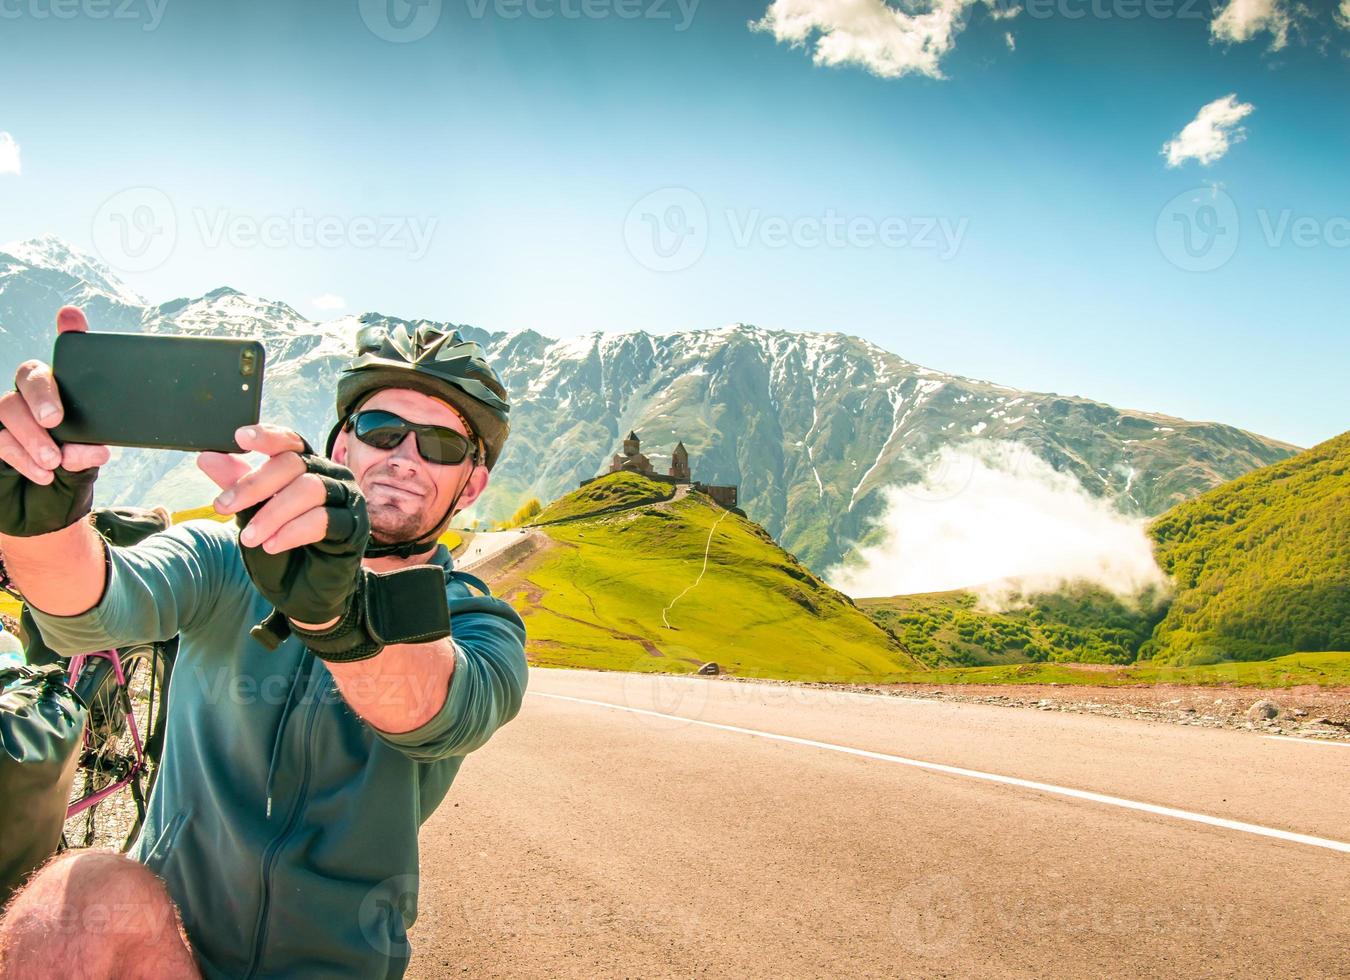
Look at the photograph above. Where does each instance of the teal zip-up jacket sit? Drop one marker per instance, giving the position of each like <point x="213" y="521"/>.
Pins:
<point x="284" y="825"/>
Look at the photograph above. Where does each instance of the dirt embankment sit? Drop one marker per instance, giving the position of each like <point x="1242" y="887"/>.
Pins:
<point x="1307" y="712"/>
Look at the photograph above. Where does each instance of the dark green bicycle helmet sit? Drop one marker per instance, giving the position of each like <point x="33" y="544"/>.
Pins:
<point x="425" y="357"/>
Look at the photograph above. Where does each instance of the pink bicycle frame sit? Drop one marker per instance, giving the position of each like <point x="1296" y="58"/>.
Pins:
<point x="77" y="663"/>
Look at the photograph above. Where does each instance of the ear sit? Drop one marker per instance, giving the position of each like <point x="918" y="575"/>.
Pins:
<point x="340" y="448"/>
<point x="473" y="489"/>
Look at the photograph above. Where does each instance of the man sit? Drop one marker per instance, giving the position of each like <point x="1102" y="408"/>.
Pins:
<point x="304" y="753"/>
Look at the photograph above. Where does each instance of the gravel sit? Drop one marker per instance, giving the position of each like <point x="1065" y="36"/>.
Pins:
<point x="1307" y="712"/>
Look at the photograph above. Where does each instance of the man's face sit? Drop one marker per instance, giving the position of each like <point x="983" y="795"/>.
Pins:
<point x="406" y="495"/>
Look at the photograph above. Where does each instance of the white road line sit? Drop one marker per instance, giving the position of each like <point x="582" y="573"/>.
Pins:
<point x="1310" y="741"/>
<point x="1078" y="794"/>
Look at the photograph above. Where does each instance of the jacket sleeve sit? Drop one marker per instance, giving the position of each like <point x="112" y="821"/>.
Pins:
<point x="154" y="590"/>
<point x="486" y="688"/>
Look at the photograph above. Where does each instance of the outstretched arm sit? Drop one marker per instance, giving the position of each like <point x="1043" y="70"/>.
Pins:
<point x="398" y="689"/>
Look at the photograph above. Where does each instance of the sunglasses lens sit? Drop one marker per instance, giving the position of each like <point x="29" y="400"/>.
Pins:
<point x="380" y="429"/>
<point x="385" y="430"/>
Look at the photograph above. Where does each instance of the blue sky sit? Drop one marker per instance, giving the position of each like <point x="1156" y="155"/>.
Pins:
<point x="1014" y="219"/>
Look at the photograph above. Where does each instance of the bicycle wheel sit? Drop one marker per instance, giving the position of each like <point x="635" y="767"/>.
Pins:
<point x="111" y="752"/>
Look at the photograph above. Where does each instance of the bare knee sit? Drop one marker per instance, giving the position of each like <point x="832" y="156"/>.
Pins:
<point x="89" y="913"/>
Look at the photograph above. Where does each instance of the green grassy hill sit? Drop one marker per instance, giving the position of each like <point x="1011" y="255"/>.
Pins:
<point x="1261" y="565"/>
<point x="1260" y="569"/>
<point x="629" y="590"/>
<point x="1082" y="625"/>
<point x="1294" y="670"/>
<point x="612" y="490"/>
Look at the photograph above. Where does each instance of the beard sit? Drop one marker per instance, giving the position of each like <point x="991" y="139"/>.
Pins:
<point x="395" y="517"/>
<point x="390" y="525"/>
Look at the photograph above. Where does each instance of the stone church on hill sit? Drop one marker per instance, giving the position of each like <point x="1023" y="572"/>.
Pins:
<point x="633" y="460"/>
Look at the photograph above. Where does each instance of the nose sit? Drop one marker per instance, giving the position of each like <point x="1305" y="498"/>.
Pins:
<point x="406" y="454"/>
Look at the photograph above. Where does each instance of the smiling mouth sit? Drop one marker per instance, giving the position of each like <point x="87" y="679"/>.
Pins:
<point x="396" y="489"/>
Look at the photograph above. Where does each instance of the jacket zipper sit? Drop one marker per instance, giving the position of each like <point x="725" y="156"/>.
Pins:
<point x="292" y="819"/>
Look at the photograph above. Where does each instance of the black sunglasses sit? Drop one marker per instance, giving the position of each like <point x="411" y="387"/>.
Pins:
<point x="436" y="443"/>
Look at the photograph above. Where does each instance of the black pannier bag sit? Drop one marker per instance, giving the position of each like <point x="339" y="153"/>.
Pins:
<point x="41" y="730"/>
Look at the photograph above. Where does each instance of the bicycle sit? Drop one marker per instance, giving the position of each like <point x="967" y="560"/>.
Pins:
<point x="124" y="692"/>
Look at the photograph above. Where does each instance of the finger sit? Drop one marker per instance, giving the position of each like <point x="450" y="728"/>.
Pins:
<point x="224" y="469"/>
<point x="308" y="528"/>
<point x="304" y="493"/>
<point x="36" y="384"/>
<point x="261" y="483"/>
<point x="71" y="319"/>
<point x="16" y="456"/>
<point x="17" y="419"/>
<point x="269" y="439"/>
<point x="82" y="456"/>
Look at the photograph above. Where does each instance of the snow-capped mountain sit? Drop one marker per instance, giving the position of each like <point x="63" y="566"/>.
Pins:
<point x="49" y="252"/>
<point x="810" y="426"/>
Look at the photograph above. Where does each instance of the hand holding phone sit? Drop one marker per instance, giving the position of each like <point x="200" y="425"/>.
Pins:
<point x="44" y="486"/>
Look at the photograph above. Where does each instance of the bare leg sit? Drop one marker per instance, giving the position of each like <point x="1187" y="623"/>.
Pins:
<point x="95" y="915"/>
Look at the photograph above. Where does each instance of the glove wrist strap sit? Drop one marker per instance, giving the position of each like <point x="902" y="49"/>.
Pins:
<point x="348" y="639"/>
<point x="404" y="606"/>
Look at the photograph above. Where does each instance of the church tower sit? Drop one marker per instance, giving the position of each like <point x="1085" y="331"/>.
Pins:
<point x="679" y="463"/>
<point x="630" y="445"/>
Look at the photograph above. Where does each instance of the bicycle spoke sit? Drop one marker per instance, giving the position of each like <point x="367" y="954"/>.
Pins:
<point x="121" y="721"/>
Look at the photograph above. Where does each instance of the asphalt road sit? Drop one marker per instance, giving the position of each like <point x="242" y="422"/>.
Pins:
<point x="592" y="839"/>
<point x="482" y="545"/>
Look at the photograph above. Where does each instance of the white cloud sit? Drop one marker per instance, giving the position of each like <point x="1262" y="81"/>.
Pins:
<point x="1343" y="14"/>
<point x="995" y="517"/>
<point x="1242" y="20"/>
<point x="887" y="41"/>
<point x="1208" y="136"/>
<point x="328" y="301"/>
<point x="1012" y="41"/>
<point x="9" y="155"/>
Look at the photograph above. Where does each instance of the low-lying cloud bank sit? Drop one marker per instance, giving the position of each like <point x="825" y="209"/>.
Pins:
<point x="996" y="518"/>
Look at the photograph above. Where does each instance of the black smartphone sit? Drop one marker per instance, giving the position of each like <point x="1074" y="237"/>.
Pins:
<point x="156" y="391"/>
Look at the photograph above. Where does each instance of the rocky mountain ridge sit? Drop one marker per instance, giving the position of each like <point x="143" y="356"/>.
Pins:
<point x="810" y="426"/>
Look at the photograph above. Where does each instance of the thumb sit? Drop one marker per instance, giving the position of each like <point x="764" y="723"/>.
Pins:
<point x="224" y="469"/>
<point x="71" y="319"/>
